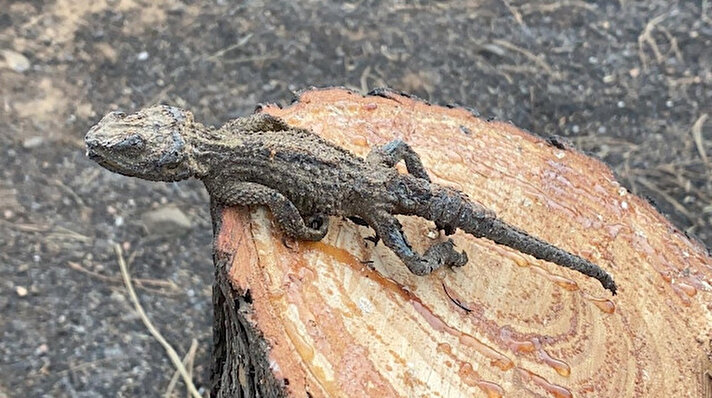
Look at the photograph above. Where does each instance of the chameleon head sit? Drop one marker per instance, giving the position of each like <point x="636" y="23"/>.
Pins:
<point x="149" y="144"/>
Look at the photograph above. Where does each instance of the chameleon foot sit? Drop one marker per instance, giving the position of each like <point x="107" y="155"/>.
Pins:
<point x="436" y="256"/>
<point x="317" y="226"/>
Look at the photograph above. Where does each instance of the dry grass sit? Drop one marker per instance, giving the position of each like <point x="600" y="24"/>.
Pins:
<point x="647" y="37"/>
<point x="177" y="362"/>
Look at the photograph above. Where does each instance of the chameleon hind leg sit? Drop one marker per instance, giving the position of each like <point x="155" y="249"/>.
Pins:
<point x="436" y="256"/>
<point x="395" y="151"/>
<point x="285" y="213"/>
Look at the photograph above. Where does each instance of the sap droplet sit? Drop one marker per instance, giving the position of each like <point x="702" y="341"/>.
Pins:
<point x="603" y="304"/>
<point x="688" y="289"/>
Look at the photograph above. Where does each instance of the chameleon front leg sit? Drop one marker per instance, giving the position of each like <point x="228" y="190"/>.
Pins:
<point x="395" y="151"/>
<point x="437" y="255"/>
<point x="285" y="213"/>
<point x="359" y="221"/>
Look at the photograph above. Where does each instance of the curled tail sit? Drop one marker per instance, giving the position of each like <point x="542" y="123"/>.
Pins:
<point x="450" y="209"/>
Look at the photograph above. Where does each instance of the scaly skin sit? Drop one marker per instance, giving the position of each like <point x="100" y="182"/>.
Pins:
<point x="303" y="179"/>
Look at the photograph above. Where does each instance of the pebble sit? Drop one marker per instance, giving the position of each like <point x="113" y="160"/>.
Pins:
<point x="41" y="349"/>
<point x="16" y="61"/>
<point x="21" y="291"/>
<point x="167" y="220"/>
<point x="32" y="142"/>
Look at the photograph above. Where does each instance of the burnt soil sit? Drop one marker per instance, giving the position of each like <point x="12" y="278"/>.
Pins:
<point x="629" y="82"/>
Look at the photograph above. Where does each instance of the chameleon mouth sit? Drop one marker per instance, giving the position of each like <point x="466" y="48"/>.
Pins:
<point x="97" y="157"/>
<point x="94" y="151"/>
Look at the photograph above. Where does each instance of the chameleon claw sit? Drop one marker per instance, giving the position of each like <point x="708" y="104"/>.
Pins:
<point x="375" y="239"/>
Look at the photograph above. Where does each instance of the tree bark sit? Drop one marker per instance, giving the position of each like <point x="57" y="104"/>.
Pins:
<point x="342" y="318"/>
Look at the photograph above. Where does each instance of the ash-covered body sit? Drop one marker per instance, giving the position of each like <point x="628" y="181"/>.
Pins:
<point x="304" y="179"/>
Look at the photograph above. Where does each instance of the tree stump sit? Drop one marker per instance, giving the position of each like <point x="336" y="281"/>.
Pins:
<point x="340" y="318"/>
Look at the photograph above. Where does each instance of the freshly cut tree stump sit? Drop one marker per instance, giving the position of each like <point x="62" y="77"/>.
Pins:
<point x="340" y="318"/>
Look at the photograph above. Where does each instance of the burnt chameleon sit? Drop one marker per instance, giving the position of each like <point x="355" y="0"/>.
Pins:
<point x="304" y="179"/>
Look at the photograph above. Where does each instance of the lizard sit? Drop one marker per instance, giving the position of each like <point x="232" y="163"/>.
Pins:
<point x="304" y="179"/>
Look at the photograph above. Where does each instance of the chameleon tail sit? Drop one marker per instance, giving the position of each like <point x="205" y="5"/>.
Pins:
<point x="450" y="209"/>
<point x="508" y="235"/>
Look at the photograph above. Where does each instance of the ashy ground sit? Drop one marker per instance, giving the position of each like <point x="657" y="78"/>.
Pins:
<point x="630" y="82"/>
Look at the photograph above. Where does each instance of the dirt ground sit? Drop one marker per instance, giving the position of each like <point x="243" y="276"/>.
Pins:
<point x="629" y="82"/>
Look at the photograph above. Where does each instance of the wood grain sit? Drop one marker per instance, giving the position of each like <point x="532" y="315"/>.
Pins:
<point x="340" y="318"/>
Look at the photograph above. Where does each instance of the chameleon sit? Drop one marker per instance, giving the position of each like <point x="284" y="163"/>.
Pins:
<point x="260" y="160"/>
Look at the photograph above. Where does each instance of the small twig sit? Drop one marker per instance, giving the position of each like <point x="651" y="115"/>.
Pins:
<point x="161" y="95"/>
<point x="152" y="329"/>
<point x="222" y="52"/>
<point x="161" y="284"/>
<point x="515" y="13"/>
<point x="32" y="22"/>
<point x="673" y="173"/>
<point x="523" y="69"/>
<point x="696" y="131"/>
<point x="647" y="37"/>
<point x="539" y="60"/>
<point x="529" y="8"/>
<point x="67" y="190"/>
<point x="629" y="174"/>
<point x="191" y="362"/>
<point x="25" y="227"/>
<point x="380" y="80"/>
<point x="187" y="359"/>
<point x="53" y="232"/>
<point x="679" y="207"/>
<point x="364" y="79"/>
<point x="62" y="232"/>
<point x="684" y="81"/>
<point x="454" y="300"/>
<point x="673" y="43"/>
<point x="71" y="368"/>
<point x="261" y="57"/>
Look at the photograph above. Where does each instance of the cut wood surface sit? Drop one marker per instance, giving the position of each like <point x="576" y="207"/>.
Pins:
<point x="342" y="318"/>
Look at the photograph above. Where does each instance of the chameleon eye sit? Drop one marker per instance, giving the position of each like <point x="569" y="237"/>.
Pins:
<point x="134" y="141"/>
<point x="171" y="166"/>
